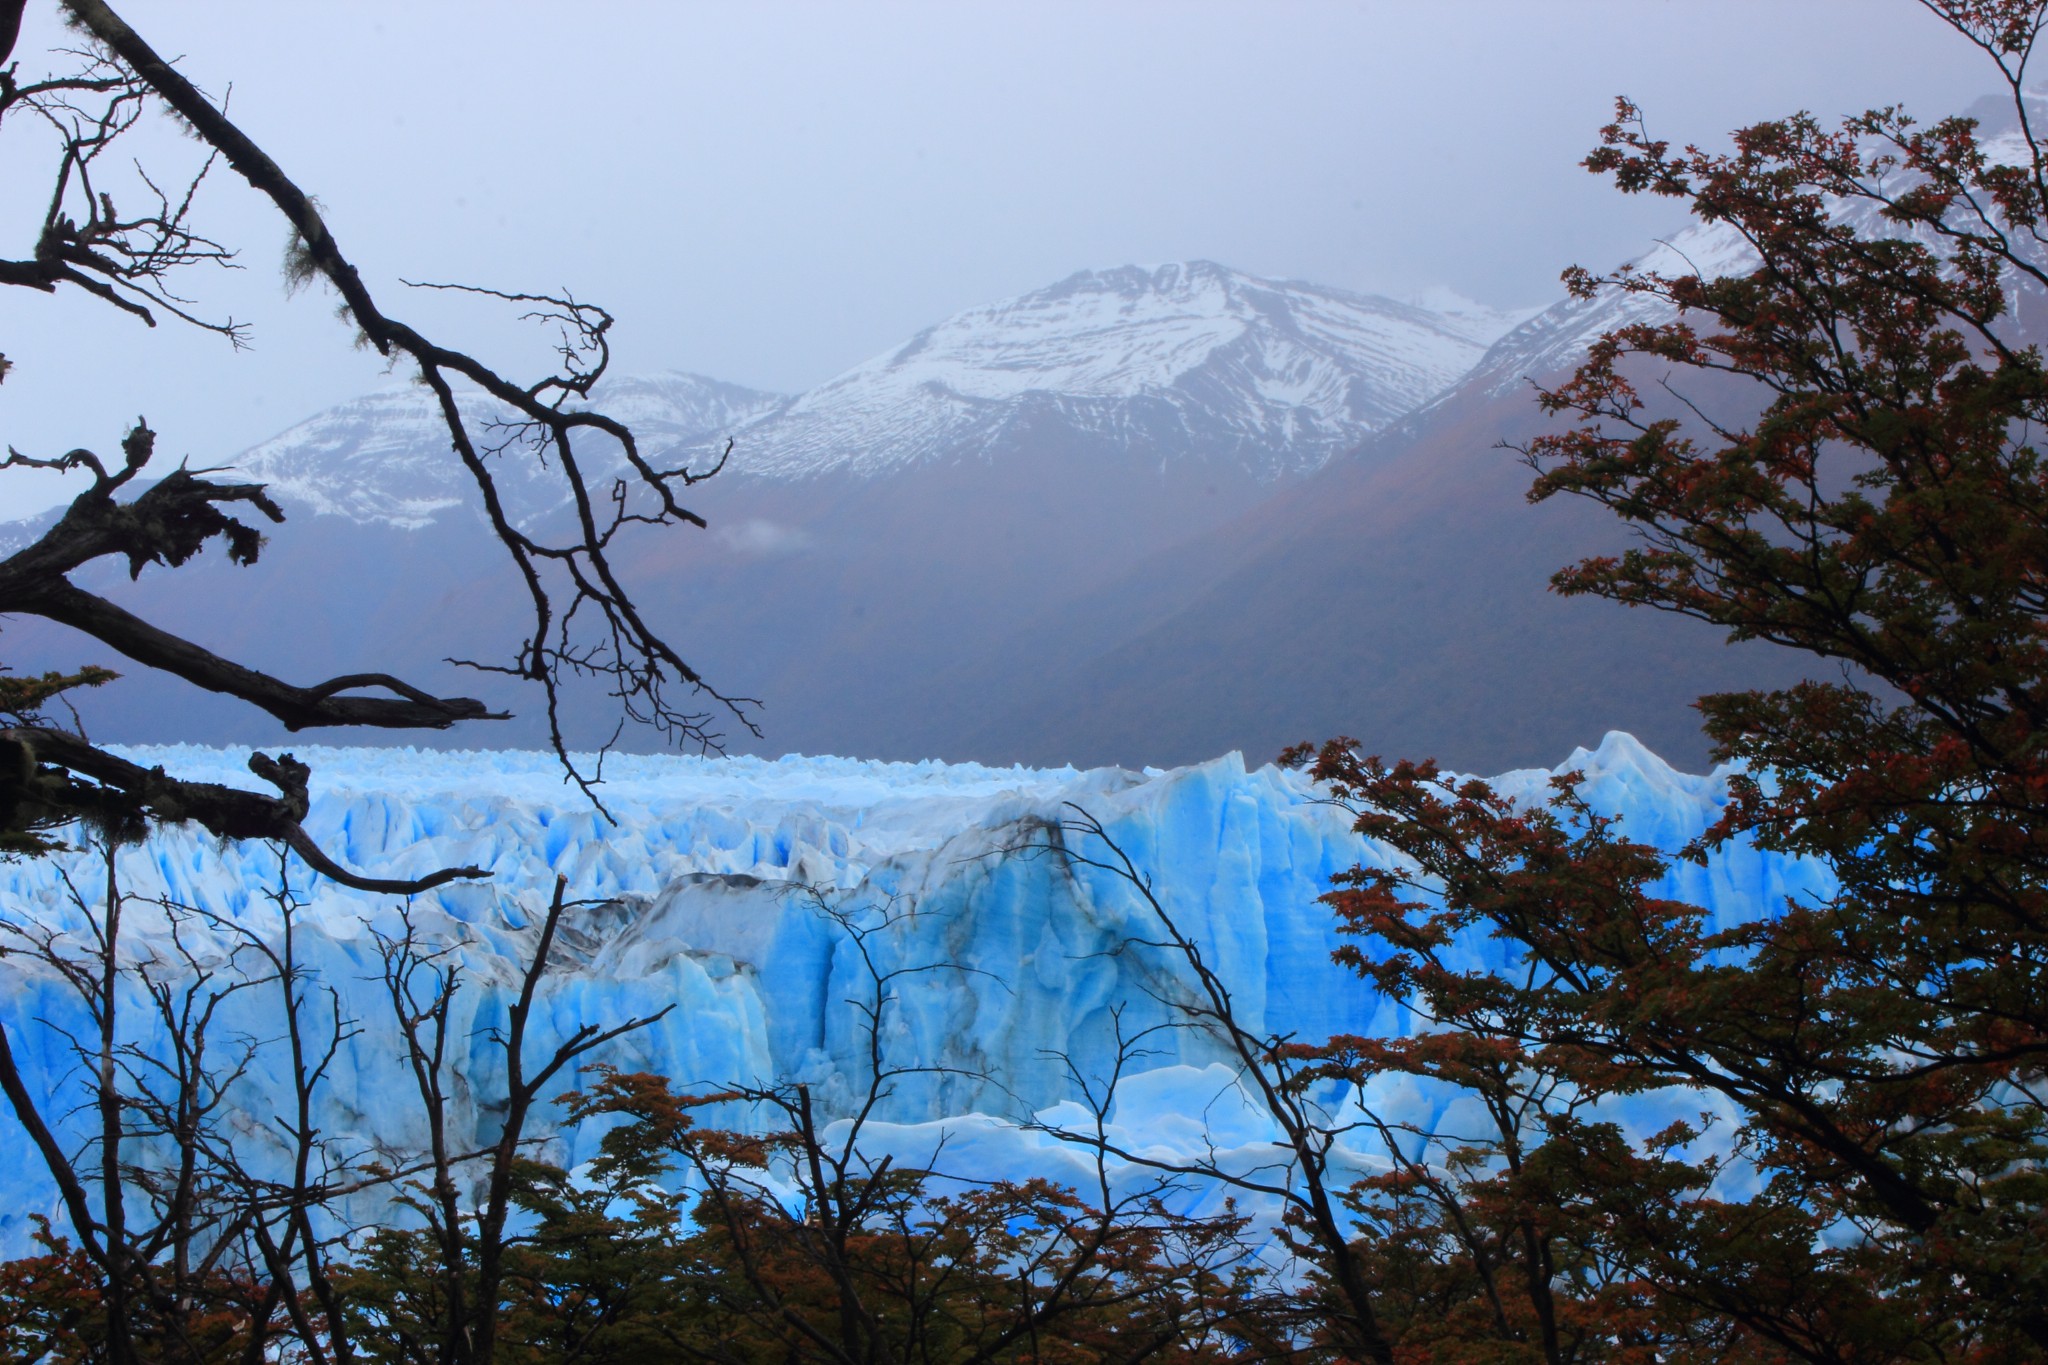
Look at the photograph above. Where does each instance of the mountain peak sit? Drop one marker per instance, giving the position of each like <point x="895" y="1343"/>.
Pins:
<point x="1182" y="279"/>
<point x="1167" y="361"/>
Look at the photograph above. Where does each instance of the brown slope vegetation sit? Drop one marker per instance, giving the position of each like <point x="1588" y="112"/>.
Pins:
<point x="1399" y="596"/>
<point x="838" y="600"/>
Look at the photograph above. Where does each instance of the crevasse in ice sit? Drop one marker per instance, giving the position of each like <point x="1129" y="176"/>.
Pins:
<point x="706" y="895"/>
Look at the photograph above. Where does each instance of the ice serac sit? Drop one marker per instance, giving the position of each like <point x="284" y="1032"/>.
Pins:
<point x="715" y="893"/>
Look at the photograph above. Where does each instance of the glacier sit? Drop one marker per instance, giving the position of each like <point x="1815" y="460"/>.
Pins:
<point x="725" y="888"/>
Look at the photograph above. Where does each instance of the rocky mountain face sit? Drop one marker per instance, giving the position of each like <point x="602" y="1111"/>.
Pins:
<point x="1145" y="515"/>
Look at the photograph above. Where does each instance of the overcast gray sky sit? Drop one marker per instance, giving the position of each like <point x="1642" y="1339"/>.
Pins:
<point x="771" y="192"/>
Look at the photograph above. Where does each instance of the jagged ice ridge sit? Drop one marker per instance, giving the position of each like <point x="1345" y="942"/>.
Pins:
<point x="707" y="894"/>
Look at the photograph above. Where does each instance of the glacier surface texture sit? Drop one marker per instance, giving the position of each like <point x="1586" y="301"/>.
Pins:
<point x="709" y="894"/>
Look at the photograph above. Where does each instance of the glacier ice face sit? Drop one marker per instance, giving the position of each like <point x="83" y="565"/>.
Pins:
<point x="724" y="893"/>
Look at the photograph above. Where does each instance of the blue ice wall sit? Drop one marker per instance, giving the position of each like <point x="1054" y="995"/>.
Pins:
<point x="713" y="894"/>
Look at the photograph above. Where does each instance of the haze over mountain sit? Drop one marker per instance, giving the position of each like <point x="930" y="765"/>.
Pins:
<point x="1145" y="515"/>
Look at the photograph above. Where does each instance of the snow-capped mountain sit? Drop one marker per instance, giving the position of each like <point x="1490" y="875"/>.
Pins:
<point x="1116" y="520"/>
<point x="1170" y="362"/>
<point x="1112" y="521"/>
<point x="384" y="457"/>
<point x="1167" y="364"/>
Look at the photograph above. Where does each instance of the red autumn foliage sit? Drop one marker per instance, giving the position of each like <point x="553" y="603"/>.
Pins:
<point x="1832" y="451"/>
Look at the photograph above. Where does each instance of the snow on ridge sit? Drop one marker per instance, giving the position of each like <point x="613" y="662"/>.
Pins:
<point x="1118" y="333"/>
<point x="1277" y="375"/>
<point x="384" y="457"/>
<point x="1555" y="340"/>
<point x="1480" y="322"/>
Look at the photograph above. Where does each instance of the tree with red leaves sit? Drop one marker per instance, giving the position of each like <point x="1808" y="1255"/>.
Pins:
<point x="1876" y="499"/>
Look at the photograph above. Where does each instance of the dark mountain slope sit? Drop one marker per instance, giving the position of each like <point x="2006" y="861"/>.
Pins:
<point x="1399" y="596"/>
<point x="1048" y="574"/>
